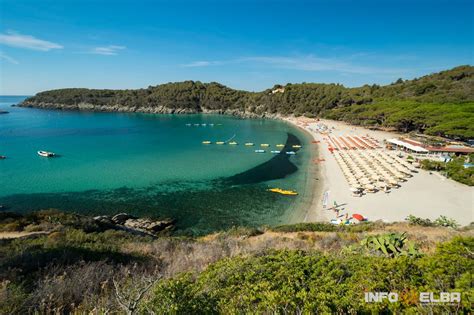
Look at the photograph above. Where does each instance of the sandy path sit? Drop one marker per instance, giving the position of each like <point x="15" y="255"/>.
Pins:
<point x="10" y="235"/>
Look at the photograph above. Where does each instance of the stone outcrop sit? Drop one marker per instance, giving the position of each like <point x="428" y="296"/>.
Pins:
<point x="145" y="109"/>
<point x="130" y="223"/>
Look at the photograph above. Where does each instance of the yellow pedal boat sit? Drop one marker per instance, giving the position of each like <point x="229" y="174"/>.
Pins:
<point x="283" y="192"/>
<point x="206" y="142"/>
<point x="264" y="145"/>
<point x="220" y="142"/>
<point x="280" y="145"/>
<point x="249" y="144"/>
<point x="233" y="143"/>
<point x="296" y="146"/>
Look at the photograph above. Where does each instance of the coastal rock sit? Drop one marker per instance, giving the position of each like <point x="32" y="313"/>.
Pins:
<point x="131" y="224"/>
<point x="121" y="218"/>
<point x="148" y="225"/>
<point x="148" y="109"/>
<point x="103" y="220"/>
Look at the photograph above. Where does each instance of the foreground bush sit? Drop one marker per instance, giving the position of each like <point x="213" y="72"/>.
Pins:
<point x="297" y="282"/>
<point x="84" y="270"/>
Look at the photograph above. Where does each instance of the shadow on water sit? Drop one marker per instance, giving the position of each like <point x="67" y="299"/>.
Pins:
<point x="278" y="167"/>
<point x="198" y="207"/>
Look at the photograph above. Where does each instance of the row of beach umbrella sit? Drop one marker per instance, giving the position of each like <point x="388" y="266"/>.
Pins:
<point x="372" y="170"/>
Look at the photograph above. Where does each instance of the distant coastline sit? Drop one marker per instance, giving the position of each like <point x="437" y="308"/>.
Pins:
<point x="439" y="104"/>
<point x="144" y="109"/>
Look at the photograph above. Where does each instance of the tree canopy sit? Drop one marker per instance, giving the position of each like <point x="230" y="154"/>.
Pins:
<point x="439" y="104"/>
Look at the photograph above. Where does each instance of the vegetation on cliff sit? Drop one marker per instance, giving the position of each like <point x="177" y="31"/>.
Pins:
<point x="78" y="267"/>
<point x="437" y="104"/>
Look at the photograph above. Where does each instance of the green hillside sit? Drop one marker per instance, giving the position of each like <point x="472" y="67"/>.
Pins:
<point x="436" y="104"/>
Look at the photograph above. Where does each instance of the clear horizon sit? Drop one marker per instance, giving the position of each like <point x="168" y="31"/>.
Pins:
<point x="241" y="44"/>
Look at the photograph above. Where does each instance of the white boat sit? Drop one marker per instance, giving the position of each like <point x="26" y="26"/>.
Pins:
<point x="275" y="152"/>
<point x="259" y="151"/>
<point x="291" y="152"/>
<point x="46" y="153"/>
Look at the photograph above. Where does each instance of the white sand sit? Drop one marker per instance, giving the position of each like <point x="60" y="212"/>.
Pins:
<point x="423" y="195"/>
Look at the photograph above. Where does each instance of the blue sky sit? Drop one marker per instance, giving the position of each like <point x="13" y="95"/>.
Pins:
<point x="249" y="45"/>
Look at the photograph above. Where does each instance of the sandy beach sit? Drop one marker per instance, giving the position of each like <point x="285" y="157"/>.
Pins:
<point x="424" y="195"/>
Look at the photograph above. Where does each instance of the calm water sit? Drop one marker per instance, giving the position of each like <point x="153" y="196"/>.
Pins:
<point x="150" y="165"/>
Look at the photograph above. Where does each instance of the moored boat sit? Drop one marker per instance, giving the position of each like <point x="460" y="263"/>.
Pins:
<point x="259" y="151"/>
<point x="275" y="152"/>
<point x="220" y="142"/>
<point x="46" y="153"/>
<point x="296" y="146"/>
<point x="2" y="157"/>
<point x="249" y="144"/>
<point x="264" y="145"/>
<point x="233" y="143"/>
<point x="290" y="152"/>
<point x="280" y="145"/>
<point x="206" y="142"/>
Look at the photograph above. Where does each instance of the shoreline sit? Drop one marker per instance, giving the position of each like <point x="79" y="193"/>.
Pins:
<point x="424" y="195"/>
<point x="308" y="209"/>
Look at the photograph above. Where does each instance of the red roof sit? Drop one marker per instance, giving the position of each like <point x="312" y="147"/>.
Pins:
<point x="413" y="142"/>
<point x="440" y="149"/>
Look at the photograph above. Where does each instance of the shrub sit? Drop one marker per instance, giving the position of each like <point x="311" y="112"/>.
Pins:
<point x="447" y="222"/>
<point x="413" y="220"/>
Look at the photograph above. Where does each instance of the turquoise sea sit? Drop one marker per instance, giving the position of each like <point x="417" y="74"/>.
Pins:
<point x="152" y="165"/>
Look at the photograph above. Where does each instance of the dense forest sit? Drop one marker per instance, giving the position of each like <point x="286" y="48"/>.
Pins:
<point x="436" y="104"/>
<point x="67" y="264"/>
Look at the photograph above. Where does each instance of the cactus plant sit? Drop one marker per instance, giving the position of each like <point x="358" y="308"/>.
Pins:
<point x="390" y="245"/>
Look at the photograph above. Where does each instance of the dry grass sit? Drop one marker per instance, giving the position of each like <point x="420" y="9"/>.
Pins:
<point x="183" y="255"/>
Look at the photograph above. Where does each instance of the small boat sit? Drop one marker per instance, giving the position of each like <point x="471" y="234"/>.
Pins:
<point x="296" y="146"/>
<point x="259" y="151"/>
<point x="233" y="143"/>
<point x="206" y="142"/>
<point x="264" y="145"/>
<point x="220" y="142"/>
<point x="249" y="144"/>
<point x="290" y="152"/>
<point x="2" y="157"/>
<point x="196" y="125"/>
<point x="46" y="153"/>
<point x="275" y="152"/>
<point x="283" y="192"/>
<point x="211" y="125"/>
<point x="203" y="124"/>
<point x="280" y="145"/>
<point x="188" y="125"/>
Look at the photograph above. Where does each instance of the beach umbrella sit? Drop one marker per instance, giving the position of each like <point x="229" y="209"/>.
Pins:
<point x="358" y="217"/>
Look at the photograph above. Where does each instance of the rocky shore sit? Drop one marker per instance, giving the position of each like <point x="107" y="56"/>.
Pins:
<point x="144" y="109"/>
<point x="130" y="223"/>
